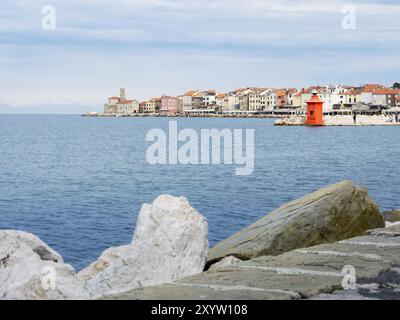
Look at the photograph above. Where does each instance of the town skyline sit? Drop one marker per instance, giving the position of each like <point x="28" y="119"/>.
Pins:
<point x="336" y="98"/>
<point x="157" y="47"/>
<point x="76" y="108"/>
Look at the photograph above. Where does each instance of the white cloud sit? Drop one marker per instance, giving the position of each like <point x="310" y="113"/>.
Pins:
<point x="158" y="46"/>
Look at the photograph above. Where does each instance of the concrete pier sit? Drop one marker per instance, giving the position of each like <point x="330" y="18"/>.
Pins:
<point x="342" y="120"/>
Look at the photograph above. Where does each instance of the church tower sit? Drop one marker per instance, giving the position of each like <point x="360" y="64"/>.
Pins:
<point x="122" y="94"/>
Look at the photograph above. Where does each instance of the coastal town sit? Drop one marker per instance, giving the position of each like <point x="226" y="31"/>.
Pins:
<point x="337" y="99"/>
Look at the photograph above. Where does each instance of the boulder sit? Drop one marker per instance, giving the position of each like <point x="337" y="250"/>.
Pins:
<point x="338" y="212"/>
<point x="170" y="242"/>
<point x="392" y="216"/>
<point x="31" y="270"/>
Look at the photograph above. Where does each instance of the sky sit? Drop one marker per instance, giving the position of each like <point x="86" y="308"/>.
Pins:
<point x="156" y="47"/>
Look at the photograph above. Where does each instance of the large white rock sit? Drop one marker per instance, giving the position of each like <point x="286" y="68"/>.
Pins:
<point x="31" y="270"/>
<point x="170" y="242"/>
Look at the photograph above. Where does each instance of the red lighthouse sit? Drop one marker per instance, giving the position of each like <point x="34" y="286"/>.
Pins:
<point x="315" y="115"/>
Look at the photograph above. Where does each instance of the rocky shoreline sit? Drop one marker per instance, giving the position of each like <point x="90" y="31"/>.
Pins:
<point x="298" y="251"/>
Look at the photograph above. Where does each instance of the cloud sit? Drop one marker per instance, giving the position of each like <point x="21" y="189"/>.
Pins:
<point x="158" y="46"/>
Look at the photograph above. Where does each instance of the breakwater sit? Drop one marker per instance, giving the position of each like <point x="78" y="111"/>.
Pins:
<point x="303" y="249"/>
<point x="342" y="120"/>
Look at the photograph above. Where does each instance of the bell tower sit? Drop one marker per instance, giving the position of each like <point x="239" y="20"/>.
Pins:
<point x="122" y="94"/>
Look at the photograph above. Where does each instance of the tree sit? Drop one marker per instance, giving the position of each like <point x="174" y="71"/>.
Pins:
<point x="396" y="85"/>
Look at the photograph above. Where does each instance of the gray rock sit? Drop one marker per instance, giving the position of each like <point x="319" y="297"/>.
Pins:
<point x="340" y="211"/>
<point x="393" y="230"/>
<point x="392" y="216"/>
<point x="341" y="295"/>
<point x="170" y="242"/>
<point x="31" y="270"/>
<point x="226" y="262"/>
<point x="320" y="271"/>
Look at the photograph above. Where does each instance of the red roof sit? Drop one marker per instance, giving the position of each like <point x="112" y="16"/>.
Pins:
<point x="190" y="93"/>
<point x="385" y="91"/>
<point x="371" y="87"/>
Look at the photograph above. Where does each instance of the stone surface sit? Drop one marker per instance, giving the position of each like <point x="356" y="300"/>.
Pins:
<point x="386" y="286"/>
<point x="392" y="230"/>
<point x="170" y="242"/>
<point x="334" y="213"/>
<point x="392" y="216"/>
<point x="291" y="121"/>
<point x="341" y="295"/>
<point x="226" y="262"/>
<point x="31" y="270"/>
<point x="314" y="272"/>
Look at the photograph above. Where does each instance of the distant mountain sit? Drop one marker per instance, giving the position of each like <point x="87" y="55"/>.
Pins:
<point x="49" y="109"/>
<point x="5" y="108"/>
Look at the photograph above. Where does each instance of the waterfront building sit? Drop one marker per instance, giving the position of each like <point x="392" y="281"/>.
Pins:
<point x="209" y="99"/>
<point x="244" y="97"/>
<point x="197" y="101"/>
<point x="255" y="101"/>
<point x="290" y="92"/>
<point x="232" y="102"/>
<point x="332" y="96"/>
<point x="142" y="106"/>
<point x="352" y="97"/>
<point x="335" y="98"/>
<point x="366" y="93"/>
<point x="151" y="106"/>
<point x="271" y="99"/>
<point x="244" y="102"/>
<point x="180" y="104"/>
<point x="385" y="97"/>
<point x="264" y="99"/>
<point x="187" y="101"/>
<point x="221" y="101"/>
<point x="111" y="106"/>
<point x="169" y="105"/>
<point x="296" y="100"/>
<point x="281" y="98"/>
<point x="120" y="105"/>
<point x="157" y="104"/>
<point x="128" y="107"/>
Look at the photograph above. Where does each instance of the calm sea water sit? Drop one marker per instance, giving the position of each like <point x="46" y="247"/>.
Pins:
<point x="78" y="183"/>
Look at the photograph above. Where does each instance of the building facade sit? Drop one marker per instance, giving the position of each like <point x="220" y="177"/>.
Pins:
<point x="169" y="105"/>
<point x="120" y="105"/>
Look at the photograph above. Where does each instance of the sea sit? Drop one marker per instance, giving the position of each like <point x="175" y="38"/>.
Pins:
<point x="79" y="182"/>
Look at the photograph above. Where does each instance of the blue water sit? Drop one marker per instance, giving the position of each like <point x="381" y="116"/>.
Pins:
<point x="78" y="183"/>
